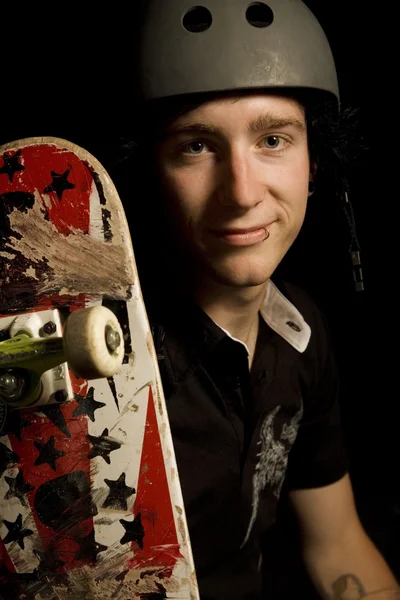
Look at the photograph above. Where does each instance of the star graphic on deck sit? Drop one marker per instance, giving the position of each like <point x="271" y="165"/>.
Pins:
<point x="89" y="548"/>
<point x="15" y="423"/>
<point x="11" y="165"/>
<point x="102" y="446"/>
<point x="55" y="414"/>
<point x="8" y="458"/>
<point x="10" y="582"/>
<point x="134" y="531"/>
<point x="49" y="560"/>
<point x="119" y="493"/>
<point x="15" y="532"/>
<point x="18" y="488"/>
<point x="87" y="405"/>
<point x="59" y="184"/>
<point x="48" y="454"/>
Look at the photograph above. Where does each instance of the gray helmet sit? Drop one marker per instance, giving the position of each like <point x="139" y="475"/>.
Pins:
<point x="226" y="45"/>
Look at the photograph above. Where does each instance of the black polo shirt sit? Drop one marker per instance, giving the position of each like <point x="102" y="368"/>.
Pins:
<point x="239" y="436"/>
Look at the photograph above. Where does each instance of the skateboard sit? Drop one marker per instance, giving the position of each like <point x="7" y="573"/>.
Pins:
<point x="90" y="501"/>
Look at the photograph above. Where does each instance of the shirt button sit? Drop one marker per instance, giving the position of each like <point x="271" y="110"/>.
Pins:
<point x="262" y="375"/>
<point x="293" y="326"/>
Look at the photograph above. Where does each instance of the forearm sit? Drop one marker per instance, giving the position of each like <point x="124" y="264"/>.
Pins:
<point x="352" y="570"/>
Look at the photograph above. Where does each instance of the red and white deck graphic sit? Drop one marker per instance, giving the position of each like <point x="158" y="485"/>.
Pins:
<point x="90" y="502"/>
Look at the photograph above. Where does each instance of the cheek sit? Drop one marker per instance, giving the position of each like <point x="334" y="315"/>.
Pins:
<point x="295" y="183"/>
<point x="184" y="194"/>
<point x="176" y="205"/>
<point x="170" y="189"/>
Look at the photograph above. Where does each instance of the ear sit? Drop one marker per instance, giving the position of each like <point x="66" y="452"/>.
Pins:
<point x="313" y="172"/>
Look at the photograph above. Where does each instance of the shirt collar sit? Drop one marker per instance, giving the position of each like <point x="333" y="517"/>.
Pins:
<point x="196" y="334"/>
<point x="283" y="318"/>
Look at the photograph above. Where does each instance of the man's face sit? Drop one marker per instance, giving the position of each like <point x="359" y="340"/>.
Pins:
<point x="229" y="169"/>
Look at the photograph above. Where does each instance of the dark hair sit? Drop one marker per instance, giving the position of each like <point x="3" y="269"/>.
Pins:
<point x="335" y="144"/>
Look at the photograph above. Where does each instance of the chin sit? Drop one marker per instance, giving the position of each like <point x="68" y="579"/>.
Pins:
<point x="241" y="275"/>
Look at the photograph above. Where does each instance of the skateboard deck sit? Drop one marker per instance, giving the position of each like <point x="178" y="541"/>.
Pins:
<point x="90" y="501"/>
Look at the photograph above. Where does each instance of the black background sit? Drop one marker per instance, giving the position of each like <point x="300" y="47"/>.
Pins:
<point x="66" y="73"/>
<point x="363" y="325"/>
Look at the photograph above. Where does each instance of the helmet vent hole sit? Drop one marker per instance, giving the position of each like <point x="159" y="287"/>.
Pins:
<point x="197" y="19"/>
<point x="259" y="14"/>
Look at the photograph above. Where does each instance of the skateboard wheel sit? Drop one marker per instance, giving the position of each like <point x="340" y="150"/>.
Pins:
<point x="93" y="342"/>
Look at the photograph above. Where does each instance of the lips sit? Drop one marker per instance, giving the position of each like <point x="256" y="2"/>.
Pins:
<point x="242" y="236"/>
<point x="239" y="231"/>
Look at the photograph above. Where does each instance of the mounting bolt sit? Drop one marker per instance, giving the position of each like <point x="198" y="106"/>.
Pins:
<point x="49" y="328"/>
<point x="60" y="396"/>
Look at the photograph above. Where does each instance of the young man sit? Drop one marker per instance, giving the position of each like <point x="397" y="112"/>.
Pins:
<point x="229" y="149"/>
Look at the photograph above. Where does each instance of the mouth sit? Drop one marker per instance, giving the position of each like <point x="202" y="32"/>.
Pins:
<point x="242" y="236"/>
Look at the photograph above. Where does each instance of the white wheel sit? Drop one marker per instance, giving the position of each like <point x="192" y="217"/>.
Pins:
<point x="93" y="342"/>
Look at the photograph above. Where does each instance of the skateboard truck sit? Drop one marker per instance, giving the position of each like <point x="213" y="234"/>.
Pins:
<point x="36" y="356"/>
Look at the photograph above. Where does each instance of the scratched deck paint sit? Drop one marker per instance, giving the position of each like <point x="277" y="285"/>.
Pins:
<point x="90" y="503"/>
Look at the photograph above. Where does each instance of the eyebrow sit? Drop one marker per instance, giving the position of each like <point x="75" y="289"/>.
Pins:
<point x="264" y="122"/>
<point x="261" y="123"/>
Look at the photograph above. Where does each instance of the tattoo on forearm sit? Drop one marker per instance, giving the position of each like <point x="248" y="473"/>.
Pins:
<point x="349" y="587"/>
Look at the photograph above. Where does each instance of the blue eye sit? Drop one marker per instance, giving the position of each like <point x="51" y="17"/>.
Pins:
<point x="195" y="147"/>
<point x="273" y="141"/>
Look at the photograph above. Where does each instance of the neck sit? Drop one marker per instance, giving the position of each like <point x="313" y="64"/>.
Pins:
<point x="236" y="310"/>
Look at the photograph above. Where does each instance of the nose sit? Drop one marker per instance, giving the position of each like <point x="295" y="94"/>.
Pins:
<point x="240" y="185"/>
